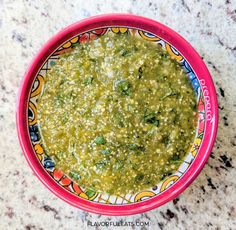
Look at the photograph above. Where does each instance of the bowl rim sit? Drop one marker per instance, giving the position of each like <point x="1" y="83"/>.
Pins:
<point x="118" y="20"/>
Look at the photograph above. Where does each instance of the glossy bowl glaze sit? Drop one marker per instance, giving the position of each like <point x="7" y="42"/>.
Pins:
<point x="32" y="86"/>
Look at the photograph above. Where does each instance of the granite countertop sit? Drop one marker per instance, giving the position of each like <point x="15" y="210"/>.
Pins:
<point x="209" y="203"/>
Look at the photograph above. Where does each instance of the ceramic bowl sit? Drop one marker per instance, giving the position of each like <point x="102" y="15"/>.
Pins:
<point x="32" y="85"/>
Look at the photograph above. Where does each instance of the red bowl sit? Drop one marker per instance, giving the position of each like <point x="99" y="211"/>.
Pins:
<point x="63" y="186"/>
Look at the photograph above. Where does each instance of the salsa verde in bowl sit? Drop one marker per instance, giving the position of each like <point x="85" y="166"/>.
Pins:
<point x="120" y="114"/>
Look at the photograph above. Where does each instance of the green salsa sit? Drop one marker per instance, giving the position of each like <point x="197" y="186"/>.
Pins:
<point x="117" y="114"/>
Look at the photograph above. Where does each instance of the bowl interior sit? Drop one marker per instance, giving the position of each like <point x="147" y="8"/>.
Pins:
<point x="64" y="180"/>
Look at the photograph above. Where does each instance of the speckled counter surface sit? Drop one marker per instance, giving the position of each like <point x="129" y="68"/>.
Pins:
<point x="209" y="203"/>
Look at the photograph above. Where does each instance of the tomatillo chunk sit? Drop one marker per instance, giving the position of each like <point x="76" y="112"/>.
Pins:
<point x="123" y="87"/>
<point x="100" y="140"/>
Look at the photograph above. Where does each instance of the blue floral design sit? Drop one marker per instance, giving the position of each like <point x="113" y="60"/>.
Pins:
<point x="48" y="164"/>
<point x="34" y="133"/>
